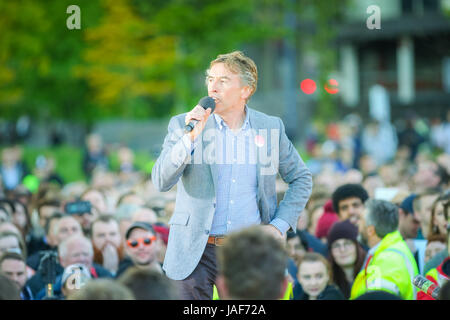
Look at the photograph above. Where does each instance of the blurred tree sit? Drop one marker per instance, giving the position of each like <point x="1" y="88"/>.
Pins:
<point x="37" y="53"/>
<point x="134" y="58"/>
<point x="206" y="28"/>
<point x="128" y="63"/>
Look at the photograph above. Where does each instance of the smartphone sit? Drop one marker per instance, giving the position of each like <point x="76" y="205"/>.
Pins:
<point x="78" y="207"/>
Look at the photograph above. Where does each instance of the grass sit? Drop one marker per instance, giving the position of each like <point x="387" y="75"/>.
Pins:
<point x="69" y="161"/>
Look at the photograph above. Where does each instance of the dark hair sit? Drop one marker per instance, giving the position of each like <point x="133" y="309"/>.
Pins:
<point x="148" y="284"/>
<point x="49" y="203"/>
<point x="56" y="215"/>
<point x="444" y="294"/>
<point x="339" y="276"/>
<point x="301" y="235"/>
<point x="253" y="264"/>
<point x="443" y="175"/>
<point x="348" y="191"/>
<point x="8" y="289"/>
<point x="10" y="203"/>
<point x="28" y="225"/>
<point x="11" y="256"/>
<point x="2" y="208"/>
<point x="378" y="295"/>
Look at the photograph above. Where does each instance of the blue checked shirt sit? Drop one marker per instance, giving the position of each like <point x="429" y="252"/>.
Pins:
<point x="236" y="193"/>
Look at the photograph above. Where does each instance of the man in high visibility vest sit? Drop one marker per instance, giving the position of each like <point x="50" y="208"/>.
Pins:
<point x="389" y="265"/>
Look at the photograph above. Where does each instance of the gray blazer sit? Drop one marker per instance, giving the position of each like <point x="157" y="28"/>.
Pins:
<point x="196" y="177"/>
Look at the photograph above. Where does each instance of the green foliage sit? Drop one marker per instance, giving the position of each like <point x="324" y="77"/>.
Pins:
<point x="134" y="58"/>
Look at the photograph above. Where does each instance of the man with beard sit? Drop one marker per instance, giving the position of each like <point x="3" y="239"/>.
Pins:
<point x="107" y="243"/>
<point x="389" y="264"/>
<point x="141" y="248"/>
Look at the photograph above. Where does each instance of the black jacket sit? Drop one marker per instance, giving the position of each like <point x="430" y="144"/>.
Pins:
<point x="331" y="292"/>
<point x="36" y="283"/>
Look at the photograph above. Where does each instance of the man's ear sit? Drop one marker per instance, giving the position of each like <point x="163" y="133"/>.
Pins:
<point x="401" y="213"/>
<point x="246" y="92"/>
<point x="222" y="287"/>
<point x="371" y="231"/>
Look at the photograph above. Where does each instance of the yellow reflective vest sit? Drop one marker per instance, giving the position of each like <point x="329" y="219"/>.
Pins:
<point x="288" y="295"/>
<point x="390" y="268"/>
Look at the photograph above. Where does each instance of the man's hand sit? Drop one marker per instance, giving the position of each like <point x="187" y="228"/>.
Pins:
<point x="110" y="258"/>
<point x="200" y="114"/>
<point x="274" y="232"/>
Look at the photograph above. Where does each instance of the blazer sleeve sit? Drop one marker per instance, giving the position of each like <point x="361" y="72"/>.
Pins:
<point x="175" y="155"/>
<point x="294" y="172"/>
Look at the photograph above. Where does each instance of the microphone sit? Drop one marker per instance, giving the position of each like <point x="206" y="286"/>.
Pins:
<point x="427" y="286"/>
<point x="205" y="102"/>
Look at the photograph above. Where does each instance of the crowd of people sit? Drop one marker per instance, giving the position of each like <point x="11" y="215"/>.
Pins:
<point x="369" y="228"/>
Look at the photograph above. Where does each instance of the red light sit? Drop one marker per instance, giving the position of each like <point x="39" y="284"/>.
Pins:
<point x="333" y="88"/>
<point x="308" y="86"/>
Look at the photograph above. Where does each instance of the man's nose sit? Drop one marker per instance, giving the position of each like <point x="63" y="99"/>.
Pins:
<point x="213" y="86"/>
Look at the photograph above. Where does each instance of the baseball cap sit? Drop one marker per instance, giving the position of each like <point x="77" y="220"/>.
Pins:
<point x="140" y="225"/>
<point x="407" y="203"/>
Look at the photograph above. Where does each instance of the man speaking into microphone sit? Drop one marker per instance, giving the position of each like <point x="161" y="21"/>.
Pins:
<point x="225" y="170"/>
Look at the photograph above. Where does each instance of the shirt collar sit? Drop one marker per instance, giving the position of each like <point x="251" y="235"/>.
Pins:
<point x="372" y="250"/>
<point x="221" y="123"/>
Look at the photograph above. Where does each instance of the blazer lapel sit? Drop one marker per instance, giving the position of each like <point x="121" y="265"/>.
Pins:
<point x="257" y="124"/>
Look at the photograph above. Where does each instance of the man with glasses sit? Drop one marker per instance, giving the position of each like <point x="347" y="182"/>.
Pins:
<point x="141" y="247"/>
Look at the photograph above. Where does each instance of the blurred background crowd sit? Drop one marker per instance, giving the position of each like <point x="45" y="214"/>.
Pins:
<point x="83" y="114"/>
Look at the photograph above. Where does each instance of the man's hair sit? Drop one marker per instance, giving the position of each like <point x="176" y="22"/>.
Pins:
<point x="253" y="264"/>
<point x="56" y="215"/>
<point x="62" y="247"/>
<point x="2" y="208"/>
<point x="239" y="63"/>
<point x="383" y="215"/>
<point x="22" y="245"/>
<point x="8" y="289"/>
<point x="148" y="284"/>
<point x="48" y="203"/>
<point x="11" y="256"/>
<point x="346" y="191"/>
<point x="8" y="202"/>
<point x="105" y="219"/>
<point x="102" y="289"/>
